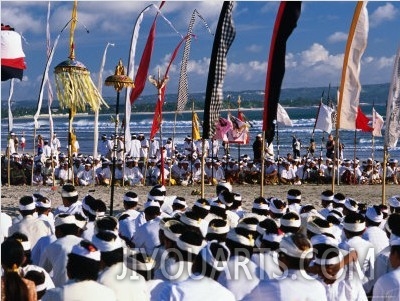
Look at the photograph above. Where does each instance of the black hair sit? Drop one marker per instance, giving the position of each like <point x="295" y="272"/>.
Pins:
<point x="352" y="218"/>
<point x="112" y="257"/>
<point x="370" y="222"/>
<point x="21" y="237"/>
<point x="82" y="268"/>
<point x="202" y="267"/>
<point x="192" y="238"/>
<point x="38" y="278"/>
<point x="69" y="188"/>
<point x="130" y="204"/>
<point x="105" y="223"/>
<point x="296" y="193"/>
<point x="12" y="256"/>
<point x="201" y="212"/>
<point x="290" y="216"/>
<point x="26" y="200"/>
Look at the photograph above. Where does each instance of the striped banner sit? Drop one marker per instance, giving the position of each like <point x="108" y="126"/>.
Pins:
<point x="223" y="40"/>
<point x="392" y="131"/>
<point x="183" y="79"/>
<point x="350" y="87"/>
<point x="285" y="23"/>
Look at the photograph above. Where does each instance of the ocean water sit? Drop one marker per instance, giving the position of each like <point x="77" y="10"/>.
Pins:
<point x="303" y="119"/>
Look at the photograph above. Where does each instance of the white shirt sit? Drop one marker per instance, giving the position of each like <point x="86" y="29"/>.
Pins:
<point x="135" y="149"/>
<point x="55" y="257"/>
<point x="38" y="249"/>
<point x="294" y="287"/>
<point x="382" y="263"/>
<point x="47" y="279"/>
<point x="5" y="225"/>
<point x="268" y="263"/>
<point x="344" y="289"/>
<point x="240" y="276"/>
<point x="32" y="227"/>
<point x="132" y="286"/>
<point x="377" y="237"/>
<point x="80" y="291"/>
<point x="387" y="287"/>
<point x="146" y="236"/>
<point x="200" y="289"/>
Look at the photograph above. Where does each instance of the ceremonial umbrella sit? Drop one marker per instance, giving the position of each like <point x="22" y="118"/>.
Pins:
<point x="119" y="81"/>
<point x="75" y="88"/>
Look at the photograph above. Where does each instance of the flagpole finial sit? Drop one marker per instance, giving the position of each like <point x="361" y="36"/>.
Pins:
<point x="119" y="80"/>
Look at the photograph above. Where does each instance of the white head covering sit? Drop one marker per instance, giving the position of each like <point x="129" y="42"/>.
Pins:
<point x="107" y="246"/>
<point x="373" y="215"/>
<point x="87" y="250"/>
<point x="288" y="247"/>
<point x="208" y="257"/>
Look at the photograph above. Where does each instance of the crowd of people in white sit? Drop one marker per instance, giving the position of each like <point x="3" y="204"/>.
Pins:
<point x="280" y="250"/>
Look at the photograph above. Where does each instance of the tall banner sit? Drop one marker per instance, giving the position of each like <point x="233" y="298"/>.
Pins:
<point x="324" y="118"/>
<point x="285" y="23"/>
<point x="183" y="79"/>
<point x="377" y="123"/>
<point x="392" y="131"/>
<point x="12" y="54"/>
<point x="350" y="87"/>
<point x="195" y="126"/>
<point x="223" y="40"/>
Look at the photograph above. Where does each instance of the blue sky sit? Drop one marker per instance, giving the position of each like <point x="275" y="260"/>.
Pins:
<point x="314" y="51"/>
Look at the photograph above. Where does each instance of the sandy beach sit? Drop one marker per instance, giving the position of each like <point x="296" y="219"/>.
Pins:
<point x="370" y="194"/>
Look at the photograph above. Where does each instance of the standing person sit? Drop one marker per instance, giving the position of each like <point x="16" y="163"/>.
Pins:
<point x="296" y="145"/>
<point x="11" y="145"/>
<point x="47" y="149"/>
<point x="135" y="147"/>
<point x="23" y="142"/>
<point x="257" y="148"/>
<point x="312" y="147"/>
<point x="144" y="148"/>
<point x="40" y="144"/>
<point x="55" y="144"/>
<point x="330" y="147"/>
<point x="104" y="146"/>
<point x="16" y="143"/>
<point x="214" y="148"/>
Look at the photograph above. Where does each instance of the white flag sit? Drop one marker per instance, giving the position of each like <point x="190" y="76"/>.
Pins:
<point x="324" y="118"/>
<point x="282" y="117"/>
<point x="377" y="123"/>
<point x="392" y="131"/>
<point x="350" y="85"/>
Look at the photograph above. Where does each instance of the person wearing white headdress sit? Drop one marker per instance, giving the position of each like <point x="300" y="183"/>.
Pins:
<point x="6" y="222"/>
<point x="93" y="210"/>
<point x="126" y="219"/>
<point x="202" y="284"/>
<point x="373" y="233"/>
<point x="55" y="256"/>
<point x="362" y="270"/>
<point x="387" y="287"/>
<point x="82" y="267"/>
<point x="295" y="284"/>
<point x="328" y="266"/>
<point x="146" y="236"/>
<point x="241" y="274"/>
<point x="268" y="245"/>
<point x="127" y="284"/>
<point x="382" y="261"/>
<point x="71" y="204"/>
<point x="30" y="225"/>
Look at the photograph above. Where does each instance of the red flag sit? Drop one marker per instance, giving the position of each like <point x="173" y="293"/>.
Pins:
<point x="362" y="122"/>
<point x="143" y="69"/>
<point x="12" y="55"/>
<point x="160" y="101"/>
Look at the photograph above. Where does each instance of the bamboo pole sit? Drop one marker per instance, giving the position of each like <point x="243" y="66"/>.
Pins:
<point x="385" y="157"/>
<point x="262" y="165"/>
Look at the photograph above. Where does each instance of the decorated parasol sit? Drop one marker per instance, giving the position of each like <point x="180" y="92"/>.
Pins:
<point x="119" y="81"/>
<point x="74" y="86"/>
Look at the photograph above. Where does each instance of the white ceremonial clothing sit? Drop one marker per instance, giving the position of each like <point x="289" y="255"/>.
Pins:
<point x="127" y="225"/>
<point x="48" y="220"/>
<point x="325" y="211"/>
<point x="65" y="174"/>
<point x="47" y="279"/>
<point x="387" y="287"/>
<point x="89" y="232"/>
<point x="144" y="149"/>
<point x="377" y="237"/>
<point x="47" y="151"/>
<point x="155" y="287"/>
<point x="103" y="148"/>
<point x="344" y="289"/>
<point x="132" y="287"/>
<point x="240" y="276"/>
<point x="133" y="175"/>
<point x="268" y="264"/>
<point x="366" y="260"/>
<point x="5" y="223"/>
<point x="73" y="209"/>
<point x="135" y="149"/>
<point x="146" y="236"/>
<point x="295" y="207"/>
<point x="154" y="148"/>
<point x="87" y="290"/>
<point x="382" y="263"/>
<point x="32" y="227"/>
<point x="55" y="257"/>
<point x="85" y="177"/>
<point x="232" y="218"/>
<point x="38" y="249"/>
<point x="194" y="289"/>
<point x="294" y="287"/>
<point x="55" y="145"/>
